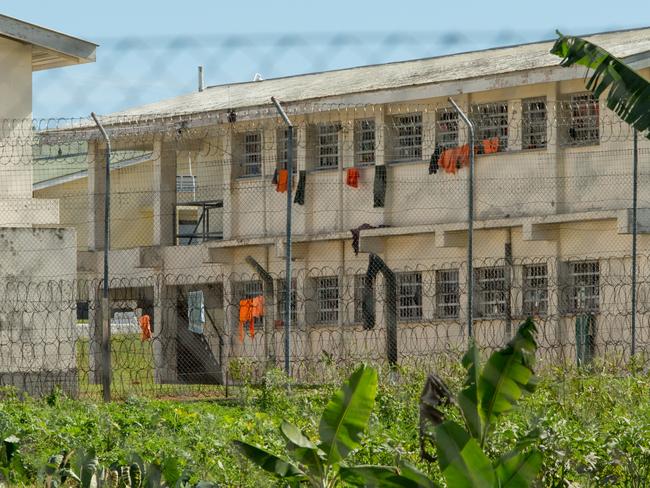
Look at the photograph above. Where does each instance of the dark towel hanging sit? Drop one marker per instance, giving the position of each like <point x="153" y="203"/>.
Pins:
<point x="274" y="180"/>
<point x="356" y="234"/>
<point x="433" y="163"/>
<point x="300" y="190"/>
<point x="379" y="188"/>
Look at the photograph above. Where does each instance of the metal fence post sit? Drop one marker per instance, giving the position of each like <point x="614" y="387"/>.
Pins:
<point x="287" y="271"/>
<point x="470" y="220"/>
<point x="106" y="312"/>
<point x="635" y="184"/>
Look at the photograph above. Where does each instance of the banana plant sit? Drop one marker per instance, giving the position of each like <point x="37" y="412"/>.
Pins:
<point x="321" y="464"/>
<point x="488" y="393"/>
<point x="629" y="92"/>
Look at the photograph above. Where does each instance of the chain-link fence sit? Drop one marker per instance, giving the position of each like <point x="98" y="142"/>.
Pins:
<point x="380" y="238"/>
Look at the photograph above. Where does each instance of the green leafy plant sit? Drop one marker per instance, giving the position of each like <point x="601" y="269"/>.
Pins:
<point x="629" y="92"/>
<point x="321" y="464"/>
<point x="12" y="468"/>
<point x="488" y="393"/>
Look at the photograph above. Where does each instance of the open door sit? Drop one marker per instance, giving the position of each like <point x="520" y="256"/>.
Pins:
<point x="196" y="361"/>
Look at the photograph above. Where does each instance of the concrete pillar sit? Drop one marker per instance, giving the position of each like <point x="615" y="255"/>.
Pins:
<point x="164" y="192"/>
<point x="164" y="332"/>
<point x="96" y="161"/>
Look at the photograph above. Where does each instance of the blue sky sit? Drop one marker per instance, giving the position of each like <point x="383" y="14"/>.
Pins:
<point x="117" y="18"/>
<point x="236" y="39"/>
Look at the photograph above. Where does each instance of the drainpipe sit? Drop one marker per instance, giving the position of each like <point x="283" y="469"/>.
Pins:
<point x="470" y="220"/>
<point x="106" y="312"/>
<point x="287" y="257"/>
<point x="267" y="279"/>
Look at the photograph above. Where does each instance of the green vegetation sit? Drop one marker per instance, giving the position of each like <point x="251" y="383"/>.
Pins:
<point x="594" y="428"/>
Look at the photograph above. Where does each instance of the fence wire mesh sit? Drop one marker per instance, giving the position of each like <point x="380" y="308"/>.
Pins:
<point x="197" y="227"/>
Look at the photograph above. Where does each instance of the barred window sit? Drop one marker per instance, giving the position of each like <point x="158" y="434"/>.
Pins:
<point x="534" y="123"/>
<point x="251" y="164"/>
<point x="282" y="146"/>
<point x="409" y="296"/>
<point x="185" y="183"/>
<point x="364" y="142"/>
<point x="535" y="283"/>
<point x="584" y="286"/>
<point x="281" y="294"/>
<point x="248" y="289"/>
<point x="491" y="121"/>
<point x="408" y="138"/>
<point x="490" y="286"/>
<point x="327" y="292"/>
<point x="584" y="122"/>
<point x="447" y="128"/>
<point x="328" y="145"/>
<point x="447" y="294"/>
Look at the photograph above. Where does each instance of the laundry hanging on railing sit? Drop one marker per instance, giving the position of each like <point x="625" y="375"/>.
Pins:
<point x="433" y="163"/>
<point x="145" y="328"/>
<point x="300" y="190"/>
<point x="379" y="188"/>
<point x="454" y="158"/>
<point x="352" y="177"/>
<point x="249" y="310"/>
<point x="282" y="181"/>
<point x="490" y="146"/>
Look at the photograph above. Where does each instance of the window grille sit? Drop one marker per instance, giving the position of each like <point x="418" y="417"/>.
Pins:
<point x="534" y="123"/>
<point x="446" y="128"/>
<point x="281" y="294"/>
<point x="249" y="289"/>
<point x="409" y="296"/>
<point x="252" y="157"/>
<point x="490" y="291"/>
<point x="584" y="120"/>
<point x="491" y="121"/>
<point x="359" y="285"/>
<point x="327" y="289"/>
<point x="364" y="142"/>
<point x="408" y="138"/>
<point x="584" y="286"/>
<point x="185" y="183"/>
<point x="328" y="145"/>
<point x="535" y="299"/>
<point x="282" y="146"/>
<point x="447" y="294"/>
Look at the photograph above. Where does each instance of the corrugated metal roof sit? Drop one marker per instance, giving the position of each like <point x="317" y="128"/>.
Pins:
<point x="476" y="64"/>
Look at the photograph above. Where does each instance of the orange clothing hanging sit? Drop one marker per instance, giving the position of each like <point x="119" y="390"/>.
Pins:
<point x="453" y="158"/>
<point x="283" y="178"/>
<point x="352" y="178"/>
<point x="145" y="328"/>
<point x="249" y="310"/>
<point x="490" y="146"/>
<point x="245" y="315"/>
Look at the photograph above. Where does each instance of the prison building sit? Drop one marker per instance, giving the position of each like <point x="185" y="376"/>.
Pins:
<point x="199" y="211"/>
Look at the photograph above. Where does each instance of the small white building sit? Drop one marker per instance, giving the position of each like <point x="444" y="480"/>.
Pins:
<point x="37" y="255"/>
